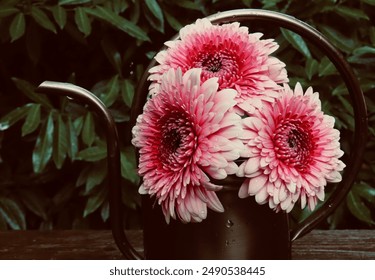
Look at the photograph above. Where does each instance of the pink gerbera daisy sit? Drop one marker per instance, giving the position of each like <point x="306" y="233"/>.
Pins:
<point x="239" y="60"/>
<point x="293" y="151"/>
<point x="187" y="133"/>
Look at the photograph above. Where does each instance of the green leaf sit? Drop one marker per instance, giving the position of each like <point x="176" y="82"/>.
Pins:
<point x="95" y="176"/>
<point x="13" y="116"/>
<point x="3" y="223"/>
<point x="370" y="2"/>
<point x="172" y="21"/>
<point x="340" y="90"/>
<point x="27" y="89"/>
<point x="63" y="195"/>
<point x="127" y="92"/>
<point x="119" y="6"/>
<point x="128" y="56"/>
<point x="326" y="67"/>
<point x="135" y="12"/>
<point x="358" y="208"/>
<point x="345" y="120"/>
<point x="43" y="148"/>
<point x="78" y="124"/>
<point x="113" y="89"/>
<point x="92" y="154"/>
<point x="190" y="5"/>
<point x="95" y="201"/>
<point x="270" y="4"/>
<point x="60" y="15"/>
<point x="8" y="11"/>
<point x="365" y="191"/>
<point x="88" y="130"/>
<point x="366" y="50"/>
<point x="104" y="212"/>
<point x="156" y="11"/>
<point x="150" y="55"/>
<point x="311" y="67"/>
<point x="72" y="137"/>
<point x="120" y="115"/>
<point x="296" y="41"/>
<point x="346" y="104"/>
<point x="60" y="144"/>
<point x="367" y="85"/>
<point x="247" y="3"/>
<point x="73" y="2"/>
<point x="366" y="61"/>
<point x="372" y="34"/>
<point x="34" y="202"/>
<point x="83" y="175"/>
<point x="32" y="120"/>
<point x="12" y="213"/>
<point x="113" y="55"/>
<point x="128" y="165"/>
<point x="350" y="12"/>
<point x="118" y="22"/>
<point x="42" y="19"/>
<point x="346" y="44"/>
<point x="17" y="27"/>
<point x="130" y="198"/>
<point x="82" y="21"/>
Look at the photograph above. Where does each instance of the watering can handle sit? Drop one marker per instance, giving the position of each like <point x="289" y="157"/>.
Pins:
<point x="113" y="152"/>
<point x="113" y="156"/>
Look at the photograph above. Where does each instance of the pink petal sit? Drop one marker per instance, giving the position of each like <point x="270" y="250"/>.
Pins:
<point x="252" y="165"/>
<point x="256" y="184"/>
<point x="244" y="189"/>
<point x="261" y="196"/>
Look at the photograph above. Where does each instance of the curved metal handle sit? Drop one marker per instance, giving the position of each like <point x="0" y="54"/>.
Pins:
<point x="352" y="84"/>
<point x="113" y="156"/>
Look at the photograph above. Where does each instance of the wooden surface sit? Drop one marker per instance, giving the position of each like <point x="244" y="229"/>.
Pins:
<point x="75" y="245"/>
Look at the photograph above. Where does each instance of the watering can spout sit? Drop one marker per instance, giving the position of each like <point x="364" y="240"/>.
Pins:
<point x="85" y="97"/>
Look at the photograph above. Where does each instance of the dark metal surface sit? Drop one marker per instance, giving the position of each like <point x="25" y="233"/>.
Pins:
<point x="246" y="230"/>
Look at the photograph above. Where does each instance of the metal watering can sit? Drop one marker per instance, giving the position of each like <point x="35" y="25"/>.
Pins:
<point x="245" y="230"/>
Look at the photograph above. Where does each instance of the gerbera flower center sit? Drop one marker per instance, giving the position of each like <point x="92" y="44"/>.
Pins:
<point x="294" y="144"/>
<point x="177" y="140"/>
<point x="212" y="63"/>
<point x="171" y="140"/>
<point x="218" y="62"/>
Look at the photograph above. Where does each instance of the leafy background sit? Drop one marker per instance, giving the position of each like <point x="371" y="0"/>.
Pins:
<point x="52" y="151"/>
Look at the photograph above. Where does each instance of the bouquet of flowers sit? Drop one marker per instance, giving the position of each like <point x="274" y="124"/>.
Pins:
<point x="220" y="105"/>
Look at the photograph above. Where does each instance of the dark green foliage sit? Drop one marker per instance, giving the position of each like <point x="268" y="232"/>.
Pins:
<point x="52" y="151"/>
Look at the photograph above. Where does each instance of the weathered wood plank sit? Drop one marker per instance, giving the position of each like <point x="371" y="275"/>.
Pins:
<point x="336" y="244"/>
<point x="91" y="244"/>
<point x="67" y="244"/>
